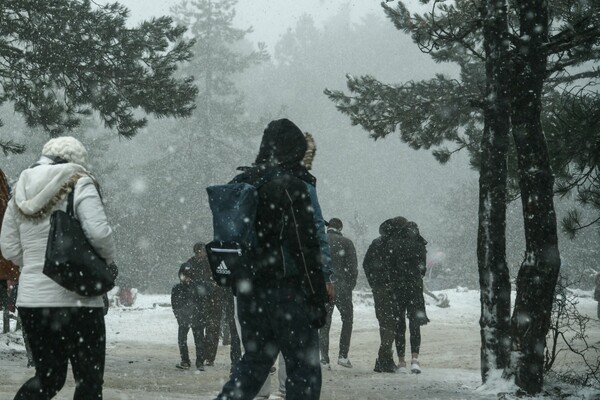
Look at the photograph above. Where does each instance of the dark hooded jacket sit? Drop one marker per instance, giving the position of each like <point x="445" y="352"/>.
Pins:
<point x="395" y="263"/>
<point x="288" y="251"/>
<point x="405" y="256"/>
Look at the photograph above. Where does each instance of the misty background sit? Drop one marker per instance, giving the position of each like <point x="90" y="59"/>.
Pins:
<point x="154" y="184"/>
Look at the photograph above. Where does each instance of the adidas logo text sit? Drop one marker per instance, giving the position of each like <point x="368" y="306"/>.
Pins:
<point x="222" y="269"/>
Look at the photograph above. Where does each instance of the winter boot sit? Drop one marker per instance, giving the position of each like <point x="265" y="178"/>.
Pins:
<point x="183" y="365"/>
<point x="384" y="366"/>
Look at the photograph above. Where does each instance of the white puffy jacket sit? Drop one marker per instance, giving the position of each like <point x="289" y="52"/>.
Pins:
<point x="39" y="191"/>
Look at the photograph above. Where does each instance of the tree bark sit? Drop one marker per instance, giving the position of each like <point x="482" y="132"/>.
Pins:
<point x="538" y="274"/>
<point x="494" y="278"/>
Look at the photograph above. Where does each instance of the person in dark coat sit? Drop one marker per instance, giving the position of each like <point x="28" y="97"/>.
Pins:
<point x="345" y="268"/>
<point x="189" y="299"/>
<point x="408" y="266"/>
<point x="283" y="305"/>
<point x="394" y="266"/>
<point x="217" y="303"/>
<point x="377" y="272"/>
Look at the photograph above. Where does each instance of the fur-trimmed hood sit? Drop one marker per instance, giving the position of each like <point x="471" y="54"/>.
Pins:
<point x="43" y="186"/>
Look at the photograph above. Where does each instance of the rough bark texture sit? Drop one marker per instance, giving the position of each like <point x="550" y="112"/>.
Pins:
<point x="491" y="241"/>
<point x="538" y="274"/>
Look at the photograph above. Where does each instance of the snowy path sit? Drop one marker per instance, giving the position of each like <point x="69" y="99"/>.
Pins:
<point x="142" y="353"/>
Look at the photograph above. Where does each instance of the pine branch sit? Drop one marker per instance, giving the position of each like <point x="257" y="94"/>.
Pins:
<point x="10" y="147"/>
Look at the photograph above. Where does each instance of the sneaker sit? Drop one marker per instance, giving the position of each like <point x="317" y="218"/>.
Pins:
<point x="415" y="368"/>
<point x="183" y="365"/>
<point x="325" y="364"/>
<point x="200" y="367"/>
<point x="344" y="362"/>
<point x="402" y="367"/>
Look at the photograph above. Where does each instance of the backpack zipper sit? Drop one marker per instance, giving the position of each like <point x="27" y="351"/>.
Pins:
<point x="238" y="251"/>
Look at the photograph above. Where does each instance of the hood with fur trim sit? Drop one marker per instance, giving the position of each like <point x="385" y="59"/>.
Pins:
<point x="40" y="188"/>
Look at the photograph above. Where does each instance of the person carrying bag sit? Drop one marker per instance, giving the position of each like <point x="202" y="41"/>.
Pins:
<point x="70" y="259"/>
<point x="62" y="325"/>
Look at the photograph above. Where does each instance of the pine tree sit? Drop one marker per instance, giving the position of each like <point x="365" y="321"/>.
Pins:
<point x="199" y="151"/>
<point x="61" y="59"/>
<point x="220" y="108"/>
<point x="429" y="113"/>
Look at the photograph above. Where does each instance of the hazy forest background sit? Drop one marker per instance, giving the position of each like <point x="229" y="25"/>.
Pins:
<point x="154" y="183"/>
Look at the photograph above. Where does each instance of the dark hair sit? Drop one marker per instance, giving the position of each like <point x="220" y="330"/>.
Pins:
<point x="335" y="223"/>
<point x="198" y="246"/>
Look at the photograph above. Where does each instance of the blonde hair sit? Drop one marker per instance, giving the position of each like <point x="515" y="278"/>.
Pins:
<point x="311" y="150"/>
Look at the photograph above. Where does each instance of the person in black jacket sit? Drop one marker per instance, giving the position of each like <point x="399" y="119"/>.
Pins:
<point x="345" y="268"/>
<point x="283" y="305"/>
<point x="188" y="299"/>
<point x="394" y="266"/>
<point x="407" y="272"/>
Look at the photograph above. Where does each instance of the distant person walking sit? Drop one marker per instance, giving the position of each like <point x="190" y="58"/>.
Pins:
<point x="394" y="266"/>
<point x="377" y="272"/>
<point x="189" y="299"/>
<point x="61" y="325"/>
<point x="218" y="318"/>
<point x="345" y="269"/>
<point x="407" y="271"/>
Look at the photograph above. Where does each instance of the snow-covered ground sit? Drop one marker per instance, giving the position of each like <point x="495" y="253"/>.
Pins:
<point x="142" y="353"/>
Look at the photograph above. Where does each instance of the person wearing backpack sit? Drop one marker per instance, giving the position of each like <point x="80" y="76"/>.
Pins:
<point x="281" y="306"/>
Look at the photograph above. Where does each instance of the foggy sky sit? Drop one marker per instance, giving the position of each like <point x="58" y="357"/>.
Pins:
<point x="268" y="18"/>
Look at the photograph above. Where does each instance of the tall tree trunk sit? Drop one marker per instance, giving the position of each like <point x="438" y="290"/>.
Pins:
<point x="538" y="274"/>
<point x="494" y="279"/>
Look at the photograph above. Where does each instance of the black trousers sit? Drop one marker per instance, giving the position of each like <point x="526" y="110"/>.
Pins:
<point x="58" y="335"/>
<point x="414" y="328"/>
<point x="197" y="328"/>
<point x="235" y="352"/>
<point x="343" y="302"/>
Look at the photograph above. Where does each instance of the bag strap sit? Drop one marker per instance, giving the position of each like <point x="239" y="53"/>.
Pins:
<point x="70" y="201"/>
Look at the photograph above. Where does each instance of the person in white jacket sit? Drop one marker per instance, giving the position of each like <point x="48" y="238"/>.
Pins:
<point x="62" y="326"/>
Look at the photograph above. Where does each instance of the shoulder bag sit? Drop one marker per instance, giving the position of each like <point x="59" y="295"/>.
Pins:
<point x="71" y="261"/>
